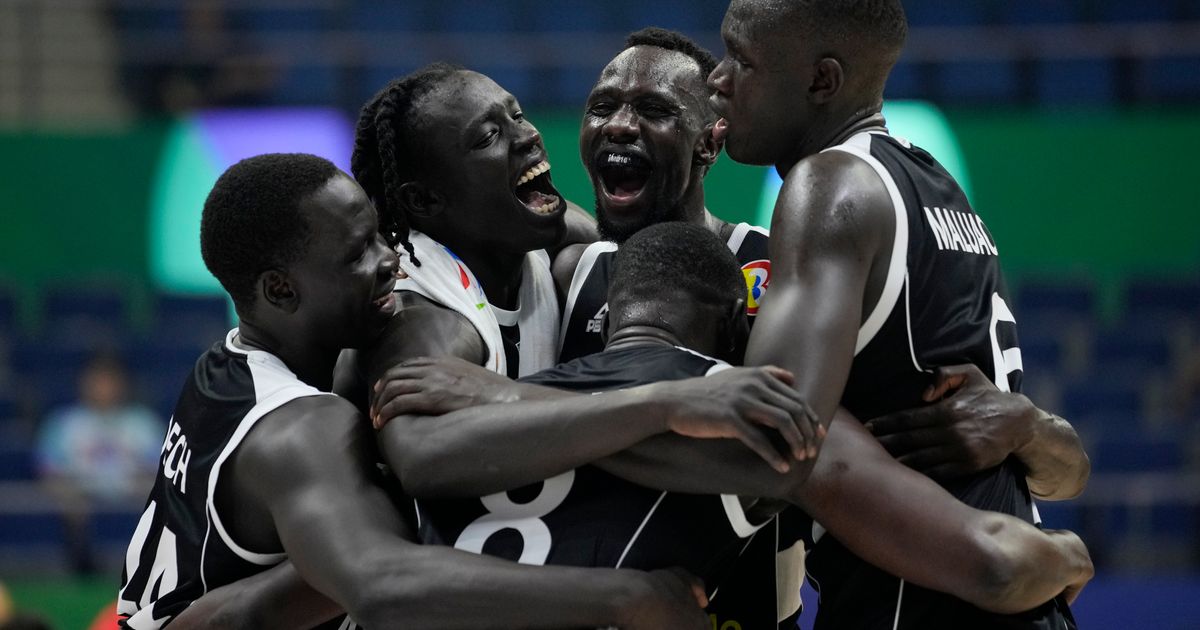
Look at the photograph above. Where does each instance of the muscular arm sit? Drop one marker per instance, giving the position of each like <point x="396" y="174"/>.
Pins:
<point x="481" y="450"/>
<point x="868" y="501"/>
<point x="976" y="426"/>
<point x="581" y="228"/>
<point x="276" y="599"/>
<point x="309" y="465"/>
<point x="831" y="236"/>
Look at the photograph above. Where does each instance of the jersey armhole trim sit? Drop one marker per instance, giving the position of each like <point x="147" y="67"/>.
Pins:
<point x="739" y="235"/>
<point x="273" y="402"/>
<point x="737" y="517"/>
<point x="582" y="271"/>
<point x="898" y="263"/>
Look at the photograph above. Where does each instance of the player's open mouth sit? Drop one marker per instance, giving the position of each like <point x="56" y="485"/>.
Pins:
<point x="535" y="190"/>
<point x="623" y="175"/>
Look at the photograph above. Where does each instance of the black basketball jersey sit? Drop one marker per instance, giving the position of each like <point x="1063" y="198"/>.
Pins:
<point x="587" y="297"/>
<point x="944" y="302"/>
<point x="587" y="517"/>
<point x="180" y="549"/>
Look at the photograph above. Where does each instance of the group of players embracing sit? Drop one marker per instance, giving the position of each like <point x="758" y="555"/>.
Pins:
<point x="445" y="406"/>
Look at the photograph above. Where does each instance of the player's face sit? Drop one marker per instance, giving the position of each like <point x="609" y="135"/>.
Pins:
<point x="345" y="278"/>
<point x="759" y="87"/>
<point x="489" y="164"/>
<point x="643" y="123"/>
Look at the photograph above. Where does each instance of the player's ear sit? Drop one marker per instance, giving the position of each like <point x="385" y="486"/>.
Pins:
<point x="276" y="288"/>
<point x="419" y="200"/>
<point x="828" y="79"/>
<point x="707" y="148"/>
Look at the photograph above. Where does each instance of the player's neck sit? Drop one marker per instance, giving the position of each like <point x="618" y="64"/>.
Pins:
<point x="639" y="335"/>
<point x="499" y="273"/>
<point x="867" y="119"/>
<point x="309" y="363"/>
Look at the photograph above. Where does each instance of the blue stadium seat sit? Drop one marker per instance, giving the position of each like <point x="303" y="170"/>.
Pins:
<point x="179" y="311"/>
<point x="1074" y="81"/>
<point x="391" y="16"/>
<point x="476" y="16"/>
<point x="16" y="463"/>
<point x="89" y="317"/>
<point x="1040" y="12"/>
<point x="1158" y="303"/>
<point x="574" y="16"/>
<point x="1173" y="79"/>
<point x="8" y="313"/>
<point x="904" y="82"/>
<point x="948" y="12"/>
<point x="1138" y="348"/>
<point x="1054" y="301"/>
<point x="278" y="17"/>
<point x="1139" y="11"/>
<point x="19" y="529"/>
<point x="1118" y="399"/>
<point x="1060" y="515"/>
<point x="1134" y="452"/>
<point x="305" y="84"/>
<point x="113" y="528"/>
<point x="693" y="17"/>
<point x="978" y="82"/>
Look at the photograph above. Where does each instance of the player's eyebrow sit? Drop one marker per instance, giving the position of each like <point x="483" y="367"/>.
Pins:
<point x="492" y="112"/>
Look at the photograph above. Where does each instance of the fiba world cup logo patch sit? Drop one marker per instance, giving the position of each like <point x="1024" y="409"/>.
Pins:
<point x="758" y="276"/>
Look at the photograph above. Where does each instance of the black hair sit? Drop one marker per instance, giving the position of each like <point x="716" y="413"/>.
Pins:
<point x="251" y="221"/>
<point x="881" y="22"/>
<point x="667" y="258"/>
<point x="674" y="40"/>
<point x="383" y="141"/>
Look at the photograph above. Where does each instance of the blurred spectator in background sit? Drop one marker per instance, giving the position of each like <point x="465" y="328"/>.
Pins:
<point x="206" y="67"/>
<point x="12" y="620"/>
<point x="102" y="451"/>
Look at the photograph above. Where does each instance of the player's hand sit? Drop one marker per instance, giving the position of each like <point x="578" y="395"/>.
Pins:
<point x="429" y="386"/>
<point x="667" y="598"/>
<point x="1081" y="561"/>
<point x="970" y="426"/>
<point x="739" y="403"/>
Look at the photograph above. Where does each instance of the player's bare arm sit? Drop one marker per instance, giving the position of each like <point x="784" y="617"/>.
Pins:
<point x="563" y="269"/>
<point x="482" y="450"/>
<point x="971" y="425"/>
<point x="831" y="235"/>
<point x="276" y="599"/>
<point x="380" y="577"/>
<point x="866" y="500"/>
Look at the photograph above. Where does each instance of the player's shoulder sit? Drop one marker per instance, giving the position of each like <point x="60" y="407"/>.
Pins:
<point x="422" y="327"/>
<point x="836" y="190"/>
<point x="564" y="265"/>
<point x="303" y="423"/>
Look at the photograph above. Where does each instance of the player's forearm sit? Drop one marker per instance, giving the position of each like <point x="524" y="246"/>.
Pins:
<point x="820" y="342"/>
<point x="277" y="598"/>
<point x="1026" y="567"/>
<point x="868" y="501"/>
<point x="675" y="463"/>
<point x="482" y="450"/>
<point x="436" y="587"/>
<point x="1056" y="463"/>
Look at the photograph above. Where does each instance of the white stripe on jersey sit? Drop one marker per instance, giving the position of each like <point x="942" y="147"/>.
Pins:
<point x="634" y="538"/>
<point x="860" y="147"/>
<point x="582" y="270"/>
<point x="274" y="386"/>
<point x="739" y="235"/>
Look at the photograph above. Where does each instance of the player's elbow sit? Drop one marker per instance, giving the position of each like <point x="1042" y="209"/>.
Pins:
<point x="1002" y="569"/>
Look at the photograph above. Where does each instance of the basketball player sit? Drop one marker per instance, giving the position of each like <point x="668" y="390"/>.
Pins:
<point x="590" y="514"/>
<point x="461" y="180"/>
<point x="260" y="464"/>
<point x="647" y="143"/>
<point x="881" y="271"/>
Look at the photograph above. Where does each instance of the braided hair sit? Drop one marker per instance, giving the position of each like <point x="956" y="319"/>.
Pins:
<point x="381" y="162"/>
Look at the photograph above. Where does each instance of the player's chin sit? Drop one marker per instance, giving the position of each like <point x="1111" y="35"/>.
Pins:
<point x="744" y="150"/>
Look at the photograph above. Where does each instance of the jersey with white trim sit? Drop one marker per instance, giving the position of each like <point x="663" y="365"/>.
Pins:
<point x="944" y="302"/>
<point x="587" y="517"/>
<point x="180" y="549"/>
<point x="587" y="298"/>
